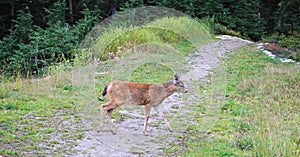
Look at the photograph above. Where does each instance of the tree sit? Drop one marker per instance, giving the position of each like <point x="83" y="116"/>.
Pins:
<point x="288" y="13"/>
<point x="243" y="16"/>
<point x="16" y="56"/>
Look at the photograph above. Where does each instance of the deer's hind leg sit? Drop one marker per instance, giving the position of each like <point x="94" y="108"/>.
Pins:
<point x="109" y="114"/>
<point x="147" y="115"/>
<point x="107" y="109"/>
<point x="102" y="112"/>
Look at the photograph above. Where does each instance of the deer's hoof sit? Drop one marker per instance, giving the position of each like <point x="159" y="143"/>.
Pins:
<point x="100" y="98"/>
<point x="113" y="132"/>
<point x="145" y="134"/>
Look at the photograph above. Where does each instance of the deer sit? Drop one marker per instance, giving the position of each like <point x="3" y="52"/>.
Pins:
<point x="132" y="93"/>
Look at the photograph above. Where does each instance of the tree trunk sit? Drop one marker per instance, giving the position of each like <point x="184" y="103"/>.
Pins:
<point x="279" y="24"/>
<point x="71" y="11"/>
<point x="113" y="8"/>
<point x="12" y="15"/>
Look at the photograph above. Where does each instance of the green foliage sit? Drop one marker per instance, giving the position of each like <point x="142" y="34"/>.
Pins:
<point x="241" y="16"/>
<point x="84" y="25"/>
<point x="217" y="28"/>
<point x="30" y="49"/>
<point x="16" y="50"/>
<point x="292" y="42"/>
<point x="288" y="16"/>
<point x="9" y="106"/>
<point x="8" y="153"/>
<point x="132" y="4"/>
<point x="56" y="13"/>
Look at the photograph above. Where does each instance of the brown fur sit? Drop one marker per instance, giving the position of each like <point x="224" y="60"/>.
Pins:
<point x="131" y="93"/>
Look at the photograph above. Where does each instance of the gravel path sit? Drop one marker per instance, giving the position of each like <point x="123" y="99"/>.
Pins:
<point x="130" y="141"/>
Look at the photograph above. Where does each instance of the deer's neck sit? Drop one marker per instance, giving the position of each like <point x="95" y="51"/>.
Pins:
<point x="170" y="88"/>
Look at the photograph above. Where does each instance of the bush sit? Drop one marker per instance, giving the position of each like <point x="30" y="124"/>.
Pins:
<point x="217" y="28"/>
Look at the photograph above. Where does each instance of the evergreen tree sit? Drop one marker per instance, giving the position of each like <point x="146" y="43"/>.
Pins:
<point x="243" y="16"/>
<point x="17" y="51"/>
<point x="30" y="48"/>
<point x="288" y="14"/>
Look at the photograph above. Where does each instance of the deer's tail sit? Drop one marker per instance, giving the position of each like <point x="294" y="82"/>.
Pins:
<point x="101" y="98"/>
<point x="105" y="90"/>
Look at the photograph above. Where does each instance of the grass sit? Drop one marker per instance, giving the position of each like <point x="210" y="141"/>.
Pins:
<point x="152" y="73"/>
<point x="34" y="111"/>
<point x="260" y="114"/>
<point x="29" y="110"/>
<point x="137" y="36"/>
<point x="271" y="90"/>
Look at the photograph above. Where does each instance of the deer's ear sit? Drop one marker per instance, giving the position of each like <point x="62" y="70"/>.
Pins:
<point x="176" y="78"/>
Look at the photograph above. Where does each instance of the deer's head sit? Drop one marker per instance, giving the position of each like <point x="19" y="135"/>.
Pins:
<point x="179" y="84"/>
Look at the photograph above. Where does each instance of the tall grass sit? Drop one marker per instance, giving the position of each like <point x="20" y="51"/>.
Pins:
<point x="182" y="33"/>
<point x="137" y="36"/>
<point x="190" y="29"/>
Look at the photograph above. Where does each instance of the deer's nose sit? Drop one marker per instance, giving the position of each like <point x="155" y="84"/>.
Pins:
<point x="185" y="91"/>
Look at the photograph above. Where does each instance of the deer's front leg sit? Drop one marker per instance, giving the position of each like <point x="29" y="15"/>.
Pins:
<point x="147" y="115"/>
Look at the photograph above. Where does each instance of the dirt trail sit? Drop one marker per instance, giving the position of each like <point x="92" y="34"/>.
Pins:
<point x="130" y="141"/>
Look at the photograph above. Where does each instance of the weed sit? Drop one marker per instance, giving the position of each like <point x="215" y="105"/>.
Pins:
<point x="9" y="106"/>
<point x="8" y="153"/>
<point x="175" y="107"/>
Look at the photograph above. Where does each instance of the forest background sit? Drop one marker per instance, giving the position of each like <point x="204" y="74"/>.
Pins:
<point x="36" y="34"/>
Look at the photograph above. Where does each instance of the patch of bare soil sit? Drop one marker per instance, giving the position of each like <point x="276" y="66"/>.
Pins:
<point x="129" y="139"/>
<point x="279" y="51"/>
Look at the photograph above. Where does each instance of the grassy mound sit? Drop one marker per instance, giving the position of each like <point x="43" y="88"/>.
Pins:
<point x="182" y="33"/>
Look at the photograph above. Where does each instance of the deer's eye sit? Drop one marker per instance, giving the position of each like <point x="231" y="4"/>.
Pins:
<point x="180" y="85"/>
